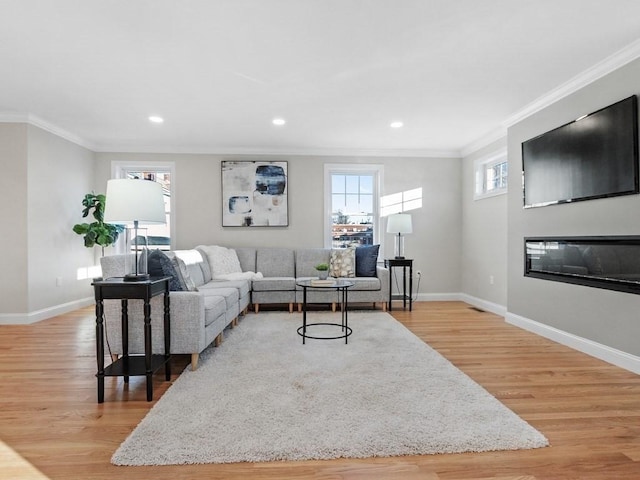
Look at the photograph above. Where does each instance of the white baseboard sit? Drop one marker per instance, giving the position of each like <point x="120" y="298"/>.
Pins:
<point x="463" y="297"/>
<point x="38" y="315"/>
<point x="437" y="297"/>
<point x="484" y="304"/>
<point x="603" y="352"/>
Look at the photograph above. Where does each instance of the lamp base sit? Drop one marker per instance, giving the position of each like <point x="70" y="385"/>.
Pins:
<point x="136" y="277"/>
<point x="399" y="258"/>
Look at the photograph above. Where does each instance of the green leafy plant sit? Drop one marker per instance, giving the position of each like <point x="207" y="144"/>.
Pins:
<point x="321" y="267"/>
<point x="97" y="232"/>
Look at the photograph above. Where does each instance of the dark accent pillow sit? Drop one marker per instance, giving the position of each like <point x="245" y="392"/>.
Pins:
<point x="159" y="265"/>
<point x="367" y="260"/>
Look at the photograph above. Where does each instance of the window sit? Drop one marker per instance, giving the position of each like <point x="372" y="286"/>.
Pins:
<point x="351" y="203"/>
<point x="157" y="236"/>
<point x="491" y="174"/>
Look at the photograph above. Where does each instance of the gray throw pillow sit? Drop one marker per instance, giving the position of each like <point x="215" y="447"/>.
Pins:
<point x="159" y="265"/>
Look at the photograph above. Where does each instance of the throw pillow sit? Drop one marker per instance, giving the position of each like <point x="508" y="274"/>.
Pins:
<point x="367" y="260"/>
<point x="159" y="265"/>
<point x="182" y="272"/>
<point x="342" y="262"/>
<point x="222" y="260"/>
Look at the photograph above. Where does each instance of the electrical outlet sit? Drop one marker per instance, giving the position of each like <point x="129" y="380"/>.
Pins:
<point x="490" y="279"/>
<point x="58" y="281"/>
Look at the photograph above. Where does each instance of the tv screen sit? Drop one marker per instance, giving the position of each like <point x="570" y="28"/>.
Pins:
<point x="594" y="156"/>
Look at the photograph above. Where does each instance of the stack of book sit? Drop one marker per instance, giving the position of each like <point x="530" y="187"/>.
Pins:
<point x="316" y="282"/>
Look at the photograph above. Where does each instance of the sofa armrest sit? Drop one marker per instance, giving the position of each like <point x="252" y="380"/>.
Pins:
<point x="187" y="323"/>
<point x="383" y="274"/>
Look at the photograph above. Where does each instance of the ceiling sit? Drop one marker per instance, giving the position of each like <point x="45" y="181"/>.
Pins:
<point x="338" y="71"/>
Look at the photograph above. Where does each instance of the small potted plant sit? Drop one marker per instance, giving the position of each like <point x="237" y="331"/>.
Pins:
<point x="323" y="270"/>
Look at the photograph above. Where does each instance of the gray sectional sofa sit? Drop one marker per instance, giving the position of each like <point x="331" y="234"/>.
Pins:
<point x="208" y="295"/>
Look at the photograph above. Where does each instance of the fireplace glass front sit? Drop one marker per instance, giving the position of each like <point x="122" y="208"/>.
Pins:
<point x="603" y="262"/>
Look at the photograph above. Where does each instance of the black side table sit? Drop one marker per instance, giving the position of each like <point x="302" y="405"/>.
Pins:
<point x="132" y="365"/>
<point x="392" y="263"/>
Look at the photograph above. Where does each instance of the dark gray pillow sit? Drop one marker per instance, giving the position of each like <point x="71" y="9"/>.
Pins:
<point x="159" y="265"/>
<point x="367" y="260"/>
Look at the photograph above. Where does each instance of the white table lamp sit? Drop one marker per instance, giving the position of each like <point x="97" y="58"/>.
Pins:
<point x="134" y="202"/>
<point x="399" y="223"/>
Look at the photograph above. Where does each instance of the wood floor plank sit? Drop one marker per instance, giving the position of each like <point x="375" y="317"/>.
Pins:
<point x="52" y="426"/>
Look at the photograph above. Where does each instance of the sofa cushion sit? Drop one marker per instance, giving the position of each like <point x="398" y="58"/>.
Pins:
<point x="274" y="284"/>
<point x="247" y="258"/>
<point x="342" y="262"/>
<point x="230" y="295"/>
<point x="215" y="306"/>
<point x="160" y="265"/>
<point x="243" y="286"/>
<point x="367" y="260"/>
<point x="221" y="260"/>
<point x="204" y="266"/>
<point x="365" y="283"/>
<point x="308" y="258"/>
<point x="276" y="262"/>
<point x="193" y="260"/>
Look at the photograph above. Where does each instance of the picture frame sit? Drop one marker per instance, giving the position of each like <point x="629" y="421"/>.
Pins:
<point x="255" y="193"/>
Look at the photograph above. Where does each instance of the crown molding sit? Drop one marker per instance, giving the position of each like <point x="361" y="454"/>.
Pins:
<point x="622" y="57"/>
<point x="314" y="151"/>
<point x="619" y="59"/>
<point x="487" y="139"/>
<point x="28" y="118"/>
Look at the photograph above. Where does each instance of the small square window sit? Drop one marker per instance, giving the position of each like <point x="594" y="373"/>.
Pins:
<point x="491" y="175"/>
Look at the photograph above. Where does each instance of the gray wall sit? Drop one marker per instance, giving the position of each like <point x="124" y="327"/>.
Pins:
<point x="484" y="236"/>
<point x="60" y="174"/>
<point x="606" y="317"/>
<point x="435" y="243"/>
<point x="13" y="218"/>
<point x="44" y="180"/>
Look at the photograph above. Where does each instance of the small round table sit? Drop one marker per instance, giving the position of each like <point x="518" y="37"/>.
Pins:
<point x="341" y="286"/>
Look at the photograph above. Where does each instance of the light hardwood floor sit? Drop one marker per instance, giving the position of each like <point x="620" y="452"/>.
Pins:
<point x="52" y="427"/>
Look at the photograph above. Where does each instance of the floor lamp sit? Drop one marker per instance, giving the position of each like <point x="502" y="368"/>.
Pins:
<point x="399" y="223"/>
<point x="134" y="202"/>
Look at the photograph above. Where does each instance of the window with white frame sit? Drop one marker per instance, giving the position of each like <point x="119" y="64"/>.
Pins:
<point x="491" y="175"/>
<point x="351" y="204"/>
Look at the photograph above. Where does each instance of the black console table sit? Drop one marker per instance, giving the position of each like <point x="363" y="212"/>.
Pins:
<point x="132" y="365"/>
<point x="403" y="263"/>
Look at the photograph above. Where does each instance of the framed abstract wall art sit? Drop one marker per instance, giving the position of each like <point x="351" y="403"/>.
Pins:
<point x="254" y="194"/>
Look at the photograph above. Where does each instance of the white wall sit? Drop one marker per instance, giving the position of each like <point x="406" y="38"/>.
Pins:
<point x="609" y="318"/>
<point x="434" y="245"/>
<point x="484" y="238"/>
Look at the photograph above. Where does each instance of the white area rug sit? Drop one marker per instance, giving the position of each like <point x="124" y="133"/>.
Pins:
<point x="262" y="396"/>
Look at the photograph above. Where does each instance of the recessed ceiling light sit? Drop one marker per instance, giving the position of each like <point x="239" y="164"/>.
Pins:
<point x="396" y="124"/>
<point x="156" y="119"/>
<point x="278" y="121"/>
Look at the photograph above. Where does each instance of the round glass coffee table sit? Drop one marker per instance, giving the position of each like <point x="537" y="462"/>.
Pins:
<point x="342" y="287"/>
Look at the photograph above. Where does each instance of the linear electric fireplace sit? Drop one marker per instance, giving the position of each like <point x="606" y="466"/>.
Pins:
<point x="612" y="263"/>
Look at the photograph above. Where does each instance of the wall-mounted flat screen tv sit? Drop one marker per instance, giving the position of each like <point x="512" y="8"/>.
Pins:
<point x="595" y="156"/>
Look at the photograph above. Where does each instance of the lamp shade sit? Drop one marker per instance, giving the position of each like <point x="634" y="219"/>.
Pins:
<point x="397" y="223"/>
<point x="132" y="201"/>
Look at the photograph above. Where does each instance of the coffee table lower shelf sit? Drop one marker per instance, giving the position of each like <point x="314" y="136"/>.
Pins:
<point x="347" y="331"/>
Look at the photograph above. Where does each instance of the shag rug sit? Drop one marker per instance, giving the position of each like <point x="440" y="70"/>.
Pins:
<point x="263" y="396"/>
